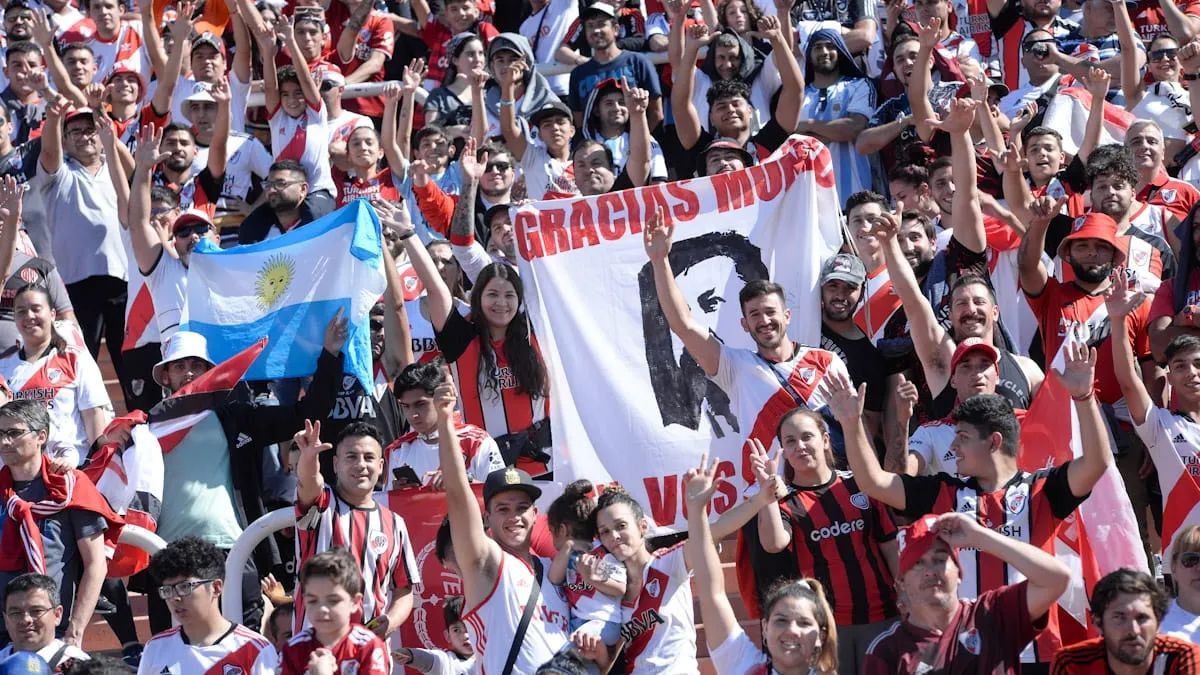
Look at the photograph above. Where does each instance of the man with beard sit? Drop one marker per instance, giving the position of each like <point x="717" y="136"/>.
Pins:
<point x="199" y="190"/>
<point x="1128" y="606"/>
<point x="1012" y="21"/>
<point x="610" y="62"/>
<point x="843" y="279"/>
<point x="286" y="187"/>
<point x="838" y="101"/>
<point x="1093" y="250"/>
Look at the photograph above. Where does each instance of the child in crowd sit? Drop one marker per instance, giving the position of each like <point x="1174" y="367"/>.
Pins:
<point x="592" y="579"/>
<point x="332" y="587"/>
<point x="457" y="660"/>
<point x="279" y="626"/>
<point x="458" y="16"/>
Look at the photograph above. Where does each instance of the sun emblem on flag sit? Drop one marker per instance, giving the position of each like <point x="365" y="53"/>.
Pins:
<point x="273" y="280"/>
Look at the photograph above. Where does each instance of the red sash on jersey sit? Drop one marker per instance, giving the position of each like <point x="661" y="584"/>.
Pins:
<point x="882" y="302"/>
<point x="70" y="490"/>
<point x="295" y="147"/>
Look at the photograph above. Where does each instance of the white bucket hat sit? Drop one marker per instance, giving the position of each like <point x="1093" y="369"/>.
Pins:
<point x="183" y="344"/>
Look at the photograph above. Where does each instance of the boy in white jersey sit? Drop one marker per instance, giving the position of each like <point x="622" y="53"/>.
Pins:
<point x="190" y="574"/>
<point x="458" y="660"/>
<point x="500" y="575"/>
<point x="417" y="450"/>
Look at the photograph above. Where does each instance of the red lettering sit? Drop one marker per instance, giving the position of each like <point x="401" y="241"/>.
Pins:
<point x="791" y="164"/>
<point x="554" y="235"/>
<point x="655" y="201"/>
<point x="662" y="497"/>
<point x="529" y="240"/>
<point x="689" y="204"/>
<point x="633" y="209"/>
<point x="726" y="496"/>
<point x="583" y="230"/>
<point x="733" y="190"/>
<point x="768" y="180"/>
<point x="610" y="228"/>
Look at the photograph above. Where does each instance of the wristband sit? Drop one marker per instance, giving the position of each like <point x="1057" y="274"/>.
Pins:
<point x="507" y="103"/>
<point x="1087" y="397"/>
<point x="1190" y="77"/>
<point x="405" y="237"/>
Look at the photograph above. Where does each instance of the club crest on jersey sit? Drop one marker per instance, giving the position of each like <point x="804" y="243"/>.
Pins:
<point x="1140" y="257"/>
<point x="1168" y="195"/>
<point x="378" y="543"/>
<point x="53" y="374"/>
<point x="654" y="588"/>
<point x="349" y="668"/>
<point x="860" y="501"/>
<point x="230" y="669"/>
<point x="808" y="375"/>
<point x="1016" y="499"/>
<point x="971" y="641"/>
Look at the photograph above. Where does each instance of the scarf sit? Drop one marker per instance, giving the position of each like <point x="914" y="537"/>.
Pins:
<point x="70" y="490"/>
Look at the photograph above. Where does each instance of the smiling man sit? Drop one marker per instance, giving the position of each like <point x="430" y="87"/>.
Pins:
<point x="31" y="612"/>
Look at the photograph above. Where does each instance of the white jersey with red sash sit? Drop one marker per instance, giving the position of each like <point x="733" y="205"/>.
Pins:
<point x="659" y="627"/>
<point x="480" y="452"/>
<point x="305" y="140"/>
<point x="492" y="624"/>
<point x="240" y="651"/>
<point x="127" y="48"/>
<point x="1173" y="440"/>
<point x="760" y="392"/>
<point x="68" y="382"/>
<point x="872" y="316"/>
<point x="141" y="319"/>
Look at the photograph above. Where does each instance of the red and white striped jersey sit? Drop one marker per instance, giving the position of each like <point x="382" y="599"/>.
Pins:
<point x="480" y="453"/>
<point x="377" y="538"/>
<point x="493" y="623"/>
<point x="882" y="302"/>
<point x="931" y="441"/>
<point x="360" y="652"/>
<point x="241" y="651"/>
<point x="1173" y="441"/>
<point x="659" y="627"/>
<point x="67" y="382"/>
<point x="760" y="392"/>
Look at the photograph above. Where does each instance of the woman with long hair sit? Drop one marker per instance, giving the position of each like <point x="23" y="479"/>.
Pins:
<point x="502" y="383"/>
<point x="62" y="376"/>
<point x="449" y="106"/>
<point x="826" y="528"/>
<point x="799" y="633"/>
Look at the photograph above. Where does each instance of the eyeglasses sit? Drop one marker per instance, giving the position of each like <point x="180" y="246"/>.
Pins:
<point x="182" y="589"/>
<point x="1166" y="53"/>
<point x="498" y="167"/>
<point x="81" y="133"/>
<point x="279" y="184"/>
<point x="199" y="228"/>
<point x="12" y="435"/>
<point x="1190" y="559"/>
<point x="1029" y="45"/>
<point x="34" y="613"/>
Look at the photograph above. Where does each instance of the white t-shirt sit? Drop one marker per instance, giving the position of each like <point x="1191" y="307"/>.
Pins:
<point x="424" y="342"/>
<point x="1173" y="442"/>
<point x="141" y="328"/>
<point x="660" y="629"/>
<point x="241" y="650"/>
<point x="544" y="176"/>
<point x="931" y="441"/>
<point x="68" y="382"/>
<point x="445" y="663"/>
<point x="247" y="157"/>
<point x="546" y="30"/>
<point x="1180" y="623"/>
<point x="168" y="288"/>
<point x="305" y="139"/>
<point x="737" y="654"/>
<point x="238" y="90"/>
<point x="480" y="453"/>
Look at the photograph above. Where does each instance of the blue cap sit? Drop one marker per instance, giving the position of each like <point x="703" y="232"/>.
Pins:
<point x="24" y="663"/>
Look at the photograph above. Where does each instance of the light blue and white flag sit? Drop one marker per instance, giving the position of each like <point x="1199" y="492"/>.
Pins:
<point x="287" y="289"/>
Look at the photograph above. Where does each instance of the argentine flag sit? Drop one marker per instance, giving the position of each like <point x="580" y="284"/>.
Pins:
<point x="287" y="289"/>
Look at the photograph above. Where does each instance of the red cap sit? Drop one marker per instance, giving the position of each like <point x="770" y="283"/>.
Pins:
<point x="915" y="541"/>
<point x="125" y="69"/>
<point x="190" y="217"/>
<point x="1094" y="225"/>
<point x="973" y="344"/>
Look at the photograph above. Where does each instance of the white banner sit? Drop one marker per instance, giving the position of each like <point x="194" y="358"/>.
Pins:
<point x="627" y="404"/>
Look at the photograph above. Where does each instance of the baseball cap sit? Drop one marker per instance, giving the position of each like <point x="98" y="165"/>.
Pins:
<point x="844" y="267"/>
<point x="973" y="344"/>
<point x="190" y="217"/>
<point x="549" y="109"/>
<point x="78" y="112"/>
<point x="18" y="4"/>
<point x="210" y="40"/>
<point x="725" y="143"/>
<point x="1094" y="225"/>
<point x="598" y="8"/>
<point x="509" y="478"/>
<point x="126" y="69"/>
<point x="333" y="76"/>
<point x="915" y="540"/>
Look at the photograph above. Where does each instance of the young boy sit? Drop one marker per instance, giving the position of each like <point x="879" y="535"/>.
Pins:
<point x="458" y="16"/>
<point x="190" y="574"/>
<point x="590" y="577"/>
<point x="332" y="588"/>
<point x="457" y="660"/>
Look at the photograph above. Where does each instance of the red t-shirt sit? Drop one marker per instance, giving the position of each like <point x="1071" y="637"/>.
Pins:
<point x="1164" y="298"/>
<point x="985" y="636"/>
<point x="436" y="34"/>
<point x="349" y="188"/>
<point x="1149" y="20"/>
<point x="376" y="35"/>
<point x="1172" y="194"/>
<point x="1059" y="307"/>
<point x="360" y="652"/>
<point x="1172" y="656"/>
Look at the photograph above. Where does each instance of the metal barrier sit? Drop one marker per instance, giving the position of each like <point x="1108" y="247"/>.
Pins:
<point x="243" y="548"/>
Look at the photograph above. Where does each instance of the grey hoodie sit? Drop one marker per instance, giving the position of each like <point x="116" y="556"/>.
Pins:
<point x="537" y="90"/>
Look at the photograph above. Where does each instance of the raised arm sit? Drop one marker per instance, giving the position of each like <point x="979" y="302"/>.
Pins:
<point x="508" y="77"/>
<point x="922" y="80"/>
<point x="1047" y="577"/>
<point x="440" y="302"/>
<point x="398" y="351"/>
<point x="1097" y="80"/>
<point x="1079" y="377"/>
<point x="1132" y="85"/>
<point x="770" y="489"/>
<point x="715" y="611"/>
<point x="397" y="159"/>
<point x="967" y="218"/>
<point x="704" y="347"/>
<point x="147" y="245"/>
<point x="150" y="37"/>
<point x="472" y="167"/>
<point x="637" y="164"/>
<point x="11" y="196"/>
<point x="846" y="404"/>
<point x="414" y="73"/>
<point x="1017" y="195"/>
<point x="217" y="150"/>
<point x="309" y="482"/>
<point x="476" y="555"/>
<point x="676" y="12"/>
<point x="687" y="120"/>
<point x="51" y="156"/>
<point x="181" y="29"/>
<point x="267" y="48"/>
<point x="1123" y="301"/>
<point x="43" y="36"/>
<point x="117" y="171"/>
<point x="1034" y="276"/>
<point x="345" y="43"/>
<point x="312" y="93"/>
<point x="1184" y="27"/>
<point x="791" y="97"/>
<point x="479" y="123"/>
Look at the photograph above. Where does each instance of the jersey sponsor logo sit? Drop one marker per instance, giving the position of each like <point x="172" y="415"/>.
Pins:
<point x="1179" y="438"/>
<point x="836" y="529"/>
<point x="971" y="641"/>
<point x="646" y="621"/>
<point x="1017" y="499"/>
<point x="860" y="501"/>
<point x="378" y="543"/>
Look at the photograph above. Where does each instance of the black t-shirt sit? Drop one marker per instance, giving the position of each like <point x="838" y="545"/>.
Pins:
<point x="864" y="362"/>
<point x="760" y="146"/>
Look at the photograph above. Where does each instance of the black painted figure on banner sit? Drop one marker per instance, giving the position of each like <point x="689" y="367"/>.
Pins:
<point x="680" y="386"/>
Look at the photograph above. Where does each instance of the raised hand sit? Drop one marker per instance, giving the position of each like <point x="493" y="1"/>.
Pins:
<point x="960" y="114"/>
<point x="636" y="98"/>
<point x="1022" y="119"/>
<point x="929" y="34"/>
<point x="769" y="28"/>
<point x="508" y="76"/>
<point x="958" y="530"/>
<point x="220" y="92"/>
<point x="698" y="36"/>
<point x="336" y="332"/>
<point x="766" y="469"/>
<point x="1010" y="159"/>
<point x="414" y="73"/>
<point x="845" y="402"/>
<point x="1124" y="295"/>
<point x="885" y="226"/>
<point x="906" y="397"/>
<point x="308" y="440"/>
<point x="56" y="109"/>
<point x="147" y="154"/>
<point x="1189" y="57"/>
<point x="394" y="217"/>
<point x="472" y="168"/>
<point x="1078" y="374"/>
<point x="43" y="34"/>
<point x="284" y="29"/>
<point x="12" y="194"/>
<point x="445" y="397"/>
<point x="699" y="483"/>
<point x="1044" y="209"/>
<point x="1097" y="81"/>
<point x="419" y="171"/>
<point x="479" y="78"/>
<point x="391" y="91"/>
<point x="656" y="237"/>
<point x="181" y="27"/>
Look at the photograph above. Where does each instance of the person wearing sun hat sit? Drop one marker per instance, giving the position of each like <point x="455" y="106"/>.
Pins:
<point x="943" y="633"/>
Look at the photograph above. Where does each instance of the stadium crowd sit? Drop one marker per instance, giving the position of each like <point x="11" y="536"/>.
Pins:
<point x="1018" y="181"/>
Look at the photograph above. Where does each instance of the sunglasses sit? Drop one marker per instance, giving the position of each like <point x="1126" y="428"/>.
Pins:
<point x="1190" y="559"/>
<point x="499" y="167"/>
<point x="188" y="230"/>
<point x="1031" y="45"/>
<point x="1164" y="53"/>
